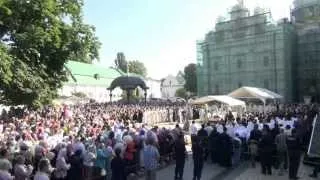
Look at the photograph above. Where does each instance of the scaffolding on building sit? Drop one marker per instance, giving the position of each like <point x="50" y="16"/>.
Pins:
<point x="231" y="52"/>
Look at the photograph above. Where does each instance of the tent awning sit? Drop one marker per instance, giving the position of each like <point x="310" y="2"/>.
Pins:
<point x="222" y="99"/>
<point x="254" y="92"/>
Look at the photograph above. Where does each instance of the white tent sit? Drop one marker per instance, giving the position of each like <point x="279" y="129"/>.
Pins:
<point x="222" y="99"/>
<point x="255" y="93"/>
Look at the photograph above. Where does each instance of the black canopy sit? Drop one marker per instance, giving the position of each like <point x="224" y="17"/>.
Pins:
<point x="127" y="83"/>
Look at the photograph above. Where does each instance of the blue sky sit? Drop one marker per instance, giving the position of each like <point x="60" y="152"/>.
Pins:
<point x="160" y="33"/>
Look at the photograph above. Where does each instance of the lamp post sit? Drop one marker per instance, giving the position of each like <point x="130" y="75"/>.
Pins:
<point x="110" y="95"/>
<point x="145" y="97"/>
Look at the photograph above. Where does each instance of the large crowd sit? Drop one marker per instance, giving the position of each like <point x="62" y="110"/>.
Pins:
<point x="115" y="141"/>
<point x="277" y="139"/>
<point x="82" y="141"/>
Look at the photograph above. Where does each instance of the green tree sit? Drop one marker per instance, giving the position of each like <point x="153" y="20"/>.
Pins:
<point x="137" y="67"/>
<point x="181" y="92"/>
<point x="121" y="62"/>
<point x="190" y="76"/>
<point x="79" y="94"/>
<point x="37" y="37"/>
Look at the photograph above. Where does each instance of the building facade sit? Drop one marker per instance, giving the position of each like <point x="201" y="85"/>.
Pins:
<point x="154" y="90"/>
<point x="247" y="50"/>
<point x="306" y="17"/>
<point x="171" y="84"/>
<point x="93" y="81"/>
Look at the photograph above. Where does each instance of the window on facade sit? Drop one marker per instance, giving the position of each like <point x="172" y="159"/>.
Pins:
<point x="239" y="63"/>
<point x="266" y="61"/>
<point x="219" y="36"/>
<point x="266" y="84"/>
<point x="217" y="89"/>
<point x="259" y="28"/>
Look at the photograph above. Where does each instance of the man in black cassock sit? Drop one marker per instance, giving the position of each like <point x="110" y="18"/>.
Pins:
<point x="225" y="149"/>
<point x="198" y="158"/>
<point x="213" y="145"/>
<point x="180" y="152"/>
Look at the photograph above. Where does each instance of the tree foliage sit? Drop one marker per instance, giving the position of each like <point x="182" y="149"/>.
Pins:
<point x="137" y="67"/>
<point x="37" y="37"/>
<point x="79" y="94"/>
<point x="181" y="92"/>
<point x="120" y="62"/>
<point x="190" y="76"/>
<point x="134" y="66"/>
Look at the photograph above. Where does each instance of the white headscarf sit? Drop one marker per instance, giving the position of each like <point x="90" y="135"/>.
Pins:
<point x="62" y="154"/>
<point x="5" y="165"/>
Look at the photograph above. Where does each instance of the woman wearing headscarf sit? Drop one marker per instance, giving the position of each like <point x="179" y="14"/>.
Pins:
<point x="5" y="167"/>
<point x="21" y="171"/>
<point x="61" y="165"/>
<point x="130" y="150"/>
<point x="44" y="170"/>
<point x="89" y="160"/>
<point x="102" y="158"/>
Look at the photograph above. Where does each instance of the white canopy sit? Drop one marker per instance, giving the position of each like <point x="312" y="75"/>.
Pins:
<point x="222" y="99"/>
<point x="253" y="92"/>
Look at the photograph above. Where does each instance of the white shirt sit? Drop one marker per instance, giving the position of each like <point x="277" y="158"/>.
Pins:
<point x="194" y="129"/>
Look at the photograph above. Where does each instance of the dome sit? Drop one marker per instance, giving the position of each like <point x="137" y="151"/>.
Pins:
<point x="239" y="11"/>
<point x="127" y="82"/>
<point x="221" y="19"/>
<point x="237" y="7"/>
<point x="259" y="10"/>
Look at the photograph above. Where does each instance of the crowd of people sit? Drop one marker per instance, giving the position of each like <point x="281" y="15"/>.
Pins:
<point x="88" y="141"/>
<point x="115" y="141"/>
<point x="276" y="138"/>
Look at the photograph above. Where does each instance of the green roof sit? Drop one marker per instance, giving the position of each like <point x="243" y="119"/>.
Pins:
<point x="85" y="74"/>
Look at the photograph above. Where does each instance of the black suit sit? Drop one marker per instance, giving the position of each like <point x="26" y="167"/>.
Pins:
<point x="294" y="153"/>
<point x="117" y="167"/>
<point x="266" y="148"/>
<point x="198" y="160"/>
<point x="225" y="150"/>
<point x="180" y="152"/>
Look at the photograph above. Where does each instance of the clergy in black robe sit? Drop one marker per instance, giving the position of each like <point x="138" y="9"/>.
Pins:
<point x="265" y="151"/>
<point x="198" y="158"/>
<point x="225" y="149"/>
<point x="76" y="166"/>
<point x="140" y="116"/>
<point x="213" y="145"/>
